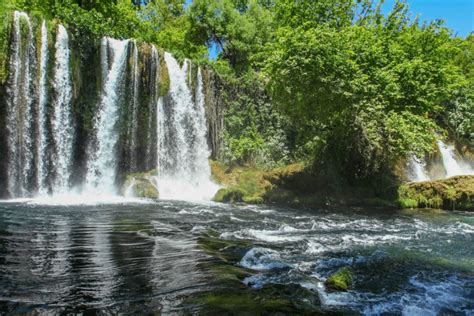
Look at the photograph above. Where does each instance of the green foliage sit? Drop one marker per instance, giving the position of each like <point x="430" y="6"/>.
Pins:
<point x="254" y="130"/>
<point x="375" y="89"/>
<point x="161" y="22"/>
<point x="408" y="203"/>
<point x="459" y="111"/>
<point x="333" y="81"/>
<point x="5" y="30"/>
<point x="239" y="28"/>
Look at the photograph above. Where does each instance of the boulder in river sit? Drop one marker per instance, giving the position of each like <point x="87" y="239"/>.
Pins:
<point x="141" y="185"/>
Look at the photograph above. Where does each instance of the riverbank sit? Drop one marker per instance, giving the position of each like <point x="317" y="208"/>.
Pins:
<point x="295" y="185"/>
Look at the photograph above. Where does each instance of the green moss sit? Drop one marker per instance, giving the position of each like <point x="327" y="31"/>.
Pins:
<point x="243" y="184"/>
<point x="5" y="31"/>
<point x="164" y="77"/>
<point x="294" y="184"/>
<point x="408" y="203"/>
<point x="141" y="185"/>
<point x="341" y="280"/>
<point x="452" y="193"/>
<point x="242" y="303"/>
<point x="253" y="199"/>
<point x="228" y="251"/>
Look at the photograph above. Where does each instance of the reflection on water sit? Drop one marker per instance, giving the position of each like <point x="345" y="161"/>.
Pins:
<point x="143" y="257"/>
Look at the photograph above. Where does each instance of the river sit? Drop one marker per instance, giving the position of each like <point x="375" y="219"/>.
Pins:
<point x="140" y="256"/>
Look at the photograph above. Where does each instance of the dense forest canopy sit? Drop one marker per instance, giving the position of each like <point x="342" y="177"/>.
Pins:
<point x="333" y="82"/>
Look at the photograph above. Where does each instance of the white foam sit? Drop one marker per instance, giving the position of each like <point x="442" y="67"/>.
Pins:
<point x="79" y="199"/>
<point x="263" y="259"/>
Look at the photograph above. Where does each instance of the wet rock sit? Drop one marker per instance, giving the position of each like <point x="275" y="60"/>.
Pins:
<point x="229" y="195"/>
<point x="141" y="185"/>
<point x="341" y="280"/>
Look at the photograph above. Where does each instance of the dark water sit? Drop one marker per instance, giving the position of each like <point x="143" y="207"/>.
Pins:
<point x="144" y="258"/>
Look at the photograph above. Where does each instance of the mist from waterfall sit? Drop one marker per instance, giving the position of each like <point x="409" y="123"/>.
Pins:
<point x="101" y="173"/>
<point x="183" y="152"/>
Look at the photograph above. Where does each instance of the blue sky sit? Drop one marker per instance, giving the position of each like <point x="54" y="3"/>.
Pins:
<point x="457" y="14"/>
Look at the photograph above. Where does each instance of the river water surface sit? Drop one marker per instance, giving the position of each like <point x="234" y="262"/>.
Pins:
<point x="143" y="256"/>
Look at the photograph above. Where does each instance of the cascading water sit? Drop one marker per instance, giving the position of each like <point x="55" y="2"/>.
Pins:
<point x="21" y="109"/>
<point x="417" y="170"/>
<point x="183" y="152"/>
<point x="452" y="166"/>
<point x="101" y="171"/>
<point x="63" y="131"/>
<point x="42" y="113"/>
<point x="127" y="126"/>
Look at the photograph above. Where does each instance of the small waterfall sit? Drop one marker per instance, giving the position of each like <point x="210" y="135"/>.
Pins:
<point x="452" y="166"/>
<point x="21" y="110"/>
<point x="101" y="171"/>
<point x="183" y="152"/>
<point x="63" y="131"/>
<point x="417" y="170"/>
<point x="42" y="112"/>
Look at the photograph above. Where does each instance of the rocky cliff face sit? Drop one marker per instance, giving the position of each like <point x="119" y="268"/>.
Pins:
<point x="215" y="91"/>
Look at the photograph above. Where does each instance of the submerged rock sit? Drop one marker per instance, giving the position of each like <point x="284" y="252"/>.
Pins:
<point x="452" y="193"/>
<point x="341" y="280"/>
<point x="141" y="185"/>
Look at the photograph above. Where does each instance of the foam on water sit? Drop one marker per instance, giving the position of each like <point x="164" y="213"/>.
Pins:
<point x="262" y="259"/>
<point x="78" y="198"/>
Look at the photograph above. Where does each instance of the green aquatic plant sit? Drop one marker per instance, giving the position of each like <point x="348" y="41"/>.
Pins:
<point x="341" y="280"/>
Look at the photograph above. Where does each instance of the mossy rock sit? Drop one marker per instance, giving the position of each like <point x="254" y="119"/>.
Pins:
<point x="341" y="280"/>
<point x="452" y="193"/>
<point x="230" y="195"/>
<point x="253" y="199"/>
<point x="164" y="76"/>
<point x="141" y="185"/>
<point x="145" y="190"/>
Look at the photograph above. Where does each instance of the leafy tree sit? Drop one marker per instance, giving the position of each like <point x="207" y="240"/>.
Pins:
<point x="238" y="27"/>
<point x="376" y="88"/>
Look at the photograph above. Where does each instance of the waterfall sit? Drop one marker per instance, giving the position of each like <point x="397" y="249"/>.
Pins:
<point x="56" y="136"/>
<point x="21" y="109"/>
<point x="42" y="113"/>
<point x="63" y="131"/>
<point x="183" y="152"/>
<point x="452" y="166"/>
<point x="101" y="171"/>
<point x="417" y="170"/>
